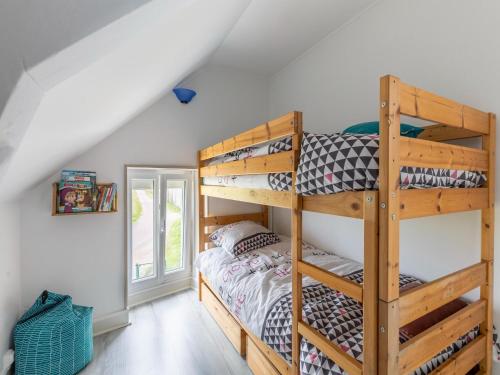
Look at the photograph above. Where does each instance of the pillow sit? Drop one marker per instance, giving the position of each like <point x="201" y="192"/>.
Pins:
<point x="243" y="236"/>
<point x="372" y="127"/>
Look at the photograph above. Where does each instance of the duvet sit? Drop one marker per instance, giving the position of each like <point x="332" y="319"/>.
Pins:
<point x="256" y="287"/>
<point x="333" y="163"/>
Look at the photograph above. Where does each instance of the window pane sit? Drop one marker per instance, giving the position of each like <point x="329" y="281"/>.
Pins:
<point x="174" y="226"/>
<point x="142" y="229"/>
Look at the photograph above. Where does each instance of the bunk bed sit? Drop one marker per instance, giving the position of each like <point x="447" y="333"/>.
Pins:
<point x="385" y="306"/>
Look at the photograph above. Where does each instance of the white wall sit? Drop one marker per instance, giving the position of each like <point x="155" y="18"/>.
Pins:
<point x="85" y="255"/>
<point x="10" y="280"/>
<point x="447" y="46"/>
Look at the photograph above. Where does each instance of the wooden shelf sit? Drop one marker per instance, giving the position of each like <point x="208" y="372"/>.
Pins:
<point x="55" y="203"/>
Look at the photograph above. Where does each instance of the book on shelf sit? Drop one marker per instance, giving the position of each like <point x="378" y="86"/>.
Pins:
<point x="77" y="191"/>
<point x="106" y="196"/>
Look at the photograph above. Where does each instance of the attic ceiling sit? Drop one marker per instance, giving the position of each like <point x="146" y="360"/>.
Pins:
<point x="31" y="31"/>
<point x="271" y="33"/>
<point x="78" y="70"/>
<point x="76" y="97"/>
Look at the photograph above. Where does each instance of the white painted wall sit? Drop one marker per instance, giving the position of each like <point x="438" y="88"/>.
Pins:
<point x="85" y="255"/>
<point x="10" y="280"/>
<point x="444" y="46"/>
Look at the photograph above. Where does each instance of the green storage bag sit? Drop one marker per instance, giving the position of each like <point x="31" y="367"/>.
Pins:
<point x="53" y="337"/>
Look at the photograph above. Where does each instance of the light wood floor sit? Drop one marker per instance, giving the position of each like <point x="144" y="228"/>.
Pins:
<point x="170" y="336"/>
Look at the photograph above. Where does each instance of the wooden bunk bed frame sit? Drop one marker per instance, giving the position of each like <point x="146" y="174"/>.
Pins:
<point x="385" y="308"/>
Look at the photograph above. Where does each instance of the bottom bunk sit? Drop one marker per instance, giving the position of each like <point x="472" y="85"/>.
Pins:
<point x="250" y="297"/>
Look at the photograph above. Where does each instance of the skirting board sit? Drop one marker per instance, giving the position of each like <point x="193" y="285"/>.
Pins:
<point x="159" y="291"/>
<point x="111" y="322"/>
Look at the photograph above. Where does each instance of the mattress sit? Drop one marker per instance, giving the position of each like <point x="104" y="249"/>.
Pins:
<point x="333" y="163"/>
<point x="256" y="287"/>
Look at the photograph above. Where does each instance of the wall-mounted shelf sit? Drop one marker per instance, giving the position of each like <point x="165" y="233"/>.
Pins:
<point x="55" y="203"/>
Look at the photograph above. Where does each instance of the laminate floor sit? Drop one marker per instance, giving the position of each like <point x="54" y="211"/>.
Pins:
<point x="174" y="335"/>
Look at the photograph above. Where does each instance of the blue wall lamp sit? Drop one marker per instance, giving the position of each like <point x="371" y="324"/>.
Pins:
<point x="184" y="95"/>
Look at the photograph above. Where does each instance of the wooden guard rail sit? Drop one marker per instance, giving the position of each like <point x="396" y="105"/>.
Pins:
<point x="452" y="121"/>
<point x="279" y="128"/>
<point x="426" y="345"/>
<point x="331" y="280"/>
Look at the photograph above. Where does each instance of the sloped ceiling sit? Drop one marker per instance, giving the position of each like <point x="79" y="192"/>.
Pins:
<point x="66" y="103"/>
<point x="271" y="33"/>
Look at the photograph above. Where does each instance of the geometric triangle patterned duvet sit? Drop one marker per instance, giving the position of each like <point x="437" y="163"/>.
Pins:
<point x="340" y="319"/>
<point x="332" y="163"/>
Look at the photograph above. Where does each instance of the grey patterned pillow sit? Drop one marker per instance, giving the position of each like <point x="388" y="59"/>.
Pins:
<point x="243" y="236"/>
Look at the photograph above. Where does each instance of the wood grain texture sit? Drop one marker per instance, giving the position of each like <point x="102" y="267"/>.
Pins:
<point x="464" y="360"/>
<point x="424" y="105"/>
<point x="220" y="220"/>
<point x="257" y="196"/>
<point x="349" y="204"/>
<point x="440" y="132"/>
<point x="423" y="299"/>
<point x="333" y="281"/>
<point x="370" y="283"/>
<point x="427" y="344"/>
<point x="274" y="129"/>
<point x="428" y="202"/>
<point x="274" y="163"/>
<point x="487" y="243"/>
<point x="389" y="209"/>
<point x="224" y="319"/>
<point x="333" y="351"/>
<point x="258" y="362"/>
<point x="416" y="152"/>
<point x="276" y="360"/>
<point x="296" y="203"/>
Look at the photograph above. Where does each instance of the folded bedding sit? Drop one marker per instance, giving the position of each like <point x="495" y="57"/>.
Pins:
<point x="256" y="287"/>
<point x="333" y="163"/>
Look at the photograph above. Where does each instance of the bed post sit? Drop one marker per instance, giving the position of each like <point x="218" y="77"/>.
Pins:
<point x="296" y="228"/>
<point x="265" y="216"/>
<point x="389" y="188"/>
<point x="201" y="221"/>
<point x="370" y="283"/>
<point x="487" y="249"/>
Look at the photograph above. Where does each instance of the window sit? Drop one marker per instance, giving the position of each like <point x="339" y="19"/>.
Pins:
<point x="160" y="220"/>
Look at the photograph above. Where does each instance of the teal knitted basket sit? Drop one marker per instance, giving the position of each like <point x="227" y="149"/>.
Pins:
<point x="53" y="337"/>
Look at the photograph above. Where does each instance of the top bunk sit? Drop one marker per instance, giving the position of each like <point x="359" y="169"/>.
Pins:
<point x="450" y="121"/>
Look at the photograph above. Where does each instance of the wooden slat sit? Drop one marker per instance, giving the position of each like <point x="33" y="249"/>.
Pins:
<point x="424" y="346"/>
<point x="224" y="319"/>
<point x="389" y="194"/>
<point x="428" y="202"/>
<point x="296" y="204"/>
<point x="201" y="214"/>
<point x="348" y="204"/>
<point x="257" y="196"/>
<point x="348" y="287"/>
<point x="229" y="219"/>
<point x="419" y="103"/>
<point x="421" y="300"/>
<point x="275" y="163"/>
<point x="464" y="360"/>
<point x="416" y="152"/>
<point x="342" y="359"/>
<point x="370" y="283"/>
<point x="275" y="129"/>
<point x="440" y="132"/>
<point x="487" y="243"/>
<point x="277" y="361"/>
<point x="258" y="362"/>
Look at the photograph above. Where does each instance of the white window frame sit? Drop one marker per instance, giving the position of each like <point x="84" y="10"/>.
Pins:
<point x="162" y="278"/>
